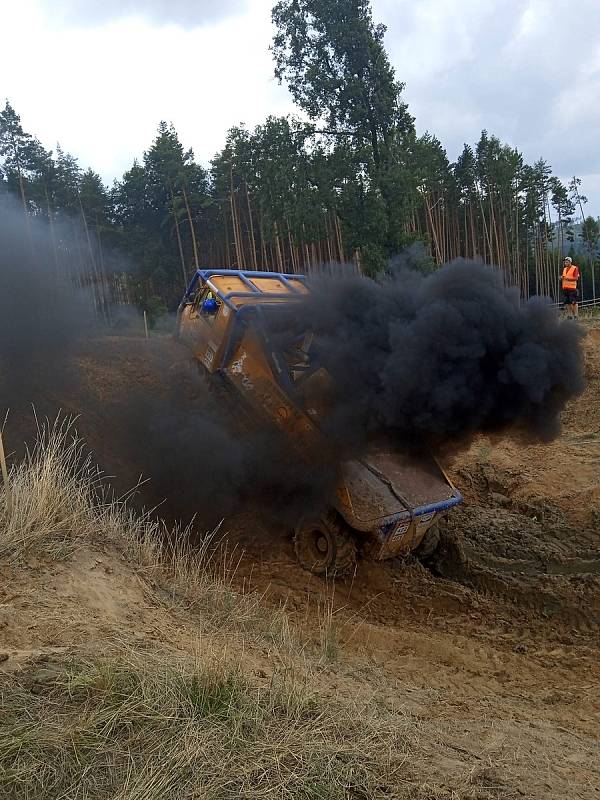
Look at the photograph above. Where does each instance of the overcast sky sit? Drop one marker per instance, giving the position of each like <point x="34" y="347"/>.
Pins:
<point x="98" y="76"/>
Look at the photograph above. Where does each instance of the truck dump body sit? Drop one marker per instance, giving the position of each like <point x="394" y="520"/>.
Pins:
<point x="392" y="494"/>
<point x="386" y="484"/>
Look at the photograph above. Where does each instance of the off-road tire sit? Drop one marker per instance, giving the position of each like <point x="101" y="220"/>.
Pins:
<point x="449" y="559"/>
<point x="428" y="544"/>
<point x="325" y="546"/>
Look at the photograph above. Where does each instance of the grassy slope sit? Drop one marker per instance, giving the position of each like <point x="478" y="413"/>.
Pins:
<point x="133" y="668"/>
<point x="116" y="714"/>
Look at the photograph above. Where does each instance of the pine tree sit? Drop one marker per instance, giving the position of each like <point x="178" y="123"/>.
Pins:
<point x="331" y="55"/>
<point x="17" y="148"/>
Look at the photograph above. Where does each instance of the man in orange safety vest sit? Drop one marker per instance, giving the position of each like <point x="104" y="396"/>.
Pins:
<point x="569" y="283"/>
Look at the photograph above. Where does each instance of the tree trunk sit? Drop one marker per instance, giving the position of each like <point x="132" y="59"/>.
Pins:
<point x="192" y="231"/>
<point x="234" y="221"/>
<point x="338" y="233"/>
<point x="52" y="232"/>
<point x="179" y="242"/>
<point x="278" y="248"/>
<point x="251" y="224"/>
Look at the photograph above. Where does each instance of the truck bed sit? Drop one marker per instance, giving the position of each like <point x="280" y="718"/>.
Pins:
<point x="387" y="483"/>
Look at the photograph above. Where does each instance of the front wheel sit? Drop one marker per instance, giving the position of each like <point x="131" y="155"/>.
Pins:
<point x="325" y="546"/>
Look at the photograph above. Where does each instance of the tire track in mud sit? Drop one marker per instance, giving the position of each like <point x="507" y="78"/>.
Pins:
<point x="530" y="525"/>
<point x="548" y="567"/>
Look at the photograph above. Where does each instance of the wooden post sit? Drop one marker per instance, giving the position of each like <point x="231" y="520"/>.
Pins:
<point x="146" y="324"/>
<point x="4" y="469"/>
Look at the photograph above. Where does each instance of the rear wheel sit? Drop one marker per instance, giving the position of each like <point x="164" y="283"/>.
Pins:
<point x="441" y="551"/>
<point x="325" y="546"/>
<point x="429" y="543"/>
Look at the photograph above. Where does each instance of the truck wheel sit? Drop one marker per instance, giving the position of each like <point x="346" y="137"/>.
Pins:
<point x="429" y="543"/>
<point x="325" y="546"/>
<point x="441" y="551"/>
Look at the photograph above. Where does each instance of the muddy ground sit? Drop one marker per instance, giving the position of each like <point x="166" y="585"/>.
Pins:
<point x="499" y="658"/>
<point x="528" y="531"/>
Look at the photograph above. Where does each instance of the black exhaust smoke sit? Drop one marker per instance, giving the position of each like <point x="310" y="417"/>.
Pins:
<point x="142" y="406"/>
<point x="44" y="313"/>
<point x="439" y="357"/>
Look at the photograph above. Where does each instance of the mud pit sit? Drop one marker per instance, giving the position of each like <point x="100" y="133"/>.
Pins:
<point x="527" y="536"/>
<point x="530" y="526"/>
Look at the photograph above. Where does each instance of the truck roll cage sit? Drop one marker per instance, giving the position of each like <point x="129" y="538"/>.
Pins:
<point x="253" y="291"/>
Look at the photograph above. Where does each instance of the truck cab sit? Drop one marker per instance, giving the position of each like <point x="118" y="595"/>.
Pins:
<point x="229" y="320"/>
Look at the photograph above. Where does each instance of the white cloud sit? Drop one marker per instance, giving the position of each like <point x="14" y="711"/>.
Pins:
<point x="98" y="80"/>
<point x="182" y="12"/>
<point x="528" y="71"/>
<point x="101" y="91"/>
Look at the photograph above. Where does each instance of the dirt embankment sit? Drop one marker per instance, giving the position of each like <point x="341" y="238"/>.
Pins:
<point x="530" y="525"/>
<point x="496" y="665"/>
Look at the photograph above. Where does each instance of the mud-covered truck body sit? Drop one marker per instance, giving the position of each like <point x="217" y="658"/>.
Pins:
<point x="392" y="496"/>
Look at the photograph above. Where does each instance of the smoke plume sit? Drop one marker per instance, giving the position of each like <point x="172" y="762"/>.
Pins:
<point x="438" y="357"/>
<point x="142" y="406"/>
<point x="43" y="315"/>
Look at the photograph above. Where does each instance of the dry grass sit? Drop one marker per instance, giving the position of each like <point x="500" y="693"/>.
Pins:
<point x="49" y="500"/>
<point x="144" y="724"/>
<point x="200" y="574"/>
<point x="56" y="500"/>
<point x="133" y="728"/>
<point x="139" y="726"/>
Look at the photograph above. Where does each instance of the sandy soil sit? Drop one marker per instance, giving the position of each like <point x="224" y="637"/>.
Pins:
<point x="496" y="663"/>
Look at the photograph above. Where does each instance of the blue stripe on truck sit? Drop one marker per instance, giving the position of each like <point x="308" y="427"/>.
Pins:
<point x="442" y="505"/>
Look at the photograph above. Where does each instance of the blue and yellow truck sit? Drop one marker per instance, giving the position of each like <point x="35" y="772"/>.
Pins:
<point x="391" y="496"/>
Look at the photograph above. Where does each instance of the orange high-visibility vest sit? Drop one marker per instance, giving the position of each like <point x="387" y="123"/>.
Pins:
<point x="569" y="277"/>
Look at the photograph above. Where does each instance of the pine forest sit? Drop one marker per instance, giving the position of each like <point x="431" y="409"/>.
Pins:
<point x="346" y="180"/>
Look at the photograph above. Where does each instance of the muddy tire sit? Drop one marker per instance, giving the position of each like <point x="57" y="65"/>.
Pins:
<point x="449" y="559"/>
<point x="325" y="546"/>
<point x="428" y="544"/>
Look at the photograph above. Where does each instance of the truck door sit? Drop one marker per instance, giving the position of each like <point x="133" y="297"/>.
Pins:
<point x="203" y="325"/>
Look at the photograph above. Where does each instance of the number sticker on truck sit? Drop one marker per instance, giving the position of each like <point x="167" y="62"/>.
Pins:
<point x="237" y="367"/>
<point x="209" y="356"/>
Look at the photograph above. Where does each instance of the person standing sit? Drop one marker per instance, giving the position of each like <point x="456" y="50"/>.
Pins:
<point x="569" y="284"/>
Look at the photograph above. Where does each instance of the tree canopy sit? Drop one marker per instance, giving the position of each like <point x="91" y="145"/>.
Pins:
<point x="351" y="181"/>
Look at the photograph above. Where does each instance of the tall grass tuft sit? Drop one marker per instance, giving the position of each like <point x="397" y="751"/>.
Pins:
<point x="55" y="500"/>
<point x="49" y="500"/>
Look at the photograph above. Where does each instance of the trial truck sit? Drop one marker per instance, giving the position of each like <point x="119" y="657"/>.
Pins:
<point x="394" y="498"/>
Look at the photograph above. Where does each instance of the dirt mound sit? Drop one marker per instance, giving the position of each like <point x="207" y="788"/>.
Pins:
<point x="530" y="525"/>
<point x="546" y="566"/>
<point x="473" y="708"/>
<point x="489" y="673"/>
